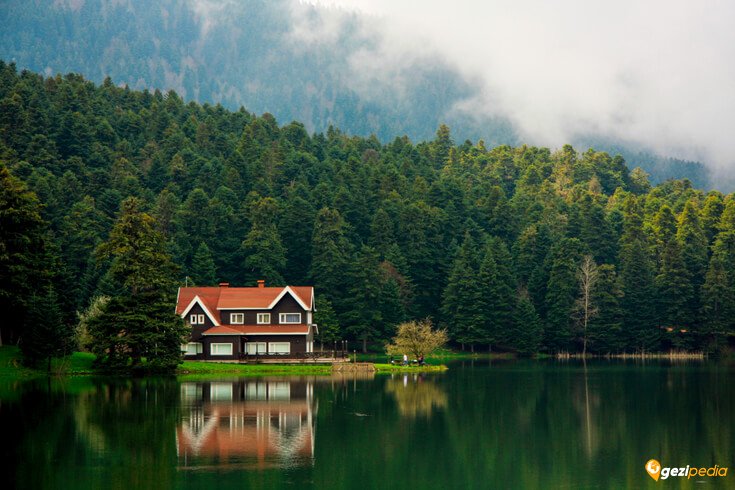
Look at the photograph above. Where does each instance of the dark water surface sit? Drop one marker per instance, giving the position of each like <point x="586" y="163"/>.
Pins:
<point x="480" y="425"/>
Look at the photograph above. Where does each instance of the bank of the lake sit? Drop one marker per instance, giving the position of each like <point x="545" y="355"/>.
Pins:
<point x="81" y="363"/>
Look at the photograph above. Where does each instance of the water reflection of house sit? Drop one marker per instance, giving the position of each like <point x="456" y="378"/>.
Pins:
<point x="257" y="423"/>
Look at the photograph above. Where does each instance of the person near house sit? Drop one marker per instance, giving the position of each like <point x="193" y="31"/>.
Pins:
<point x="405" y="360"/>
<point x="421" y="360"/>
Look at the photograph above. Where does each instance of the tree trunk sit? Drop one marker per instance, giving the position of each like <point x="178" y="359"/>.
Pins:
<point x="472" y="348"/>
<point x="364" y="345"/>
<point x="489" y="347"/>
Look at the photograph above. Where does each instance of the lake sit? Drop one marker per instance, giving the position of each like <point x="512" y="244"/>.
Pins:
<point x="524" y="424"/>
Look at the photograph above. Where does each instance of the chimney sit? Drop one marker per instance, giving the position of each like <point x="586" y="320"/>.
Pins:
<point x="261" y="283"/>
<point x="224" y="284"/>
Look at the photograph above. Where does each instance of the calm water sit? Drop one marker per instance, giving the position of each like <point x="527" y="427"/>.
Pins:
<point x="506" y="425"/>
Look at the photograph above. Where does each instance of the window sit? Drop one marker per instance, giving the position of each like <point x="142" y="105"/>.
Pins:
<point x="264" y="318"/>
<point x="279" y="391"/>
<point x="193" y="348"/>
<point x="237" y="318"/>
<point x="220" y="349"/>
<point x="289" y="318"/>
<point x="255" y="391"/>
<point x="196" y="319"/>
<point x="279" y="347"/>
<point x="220" y="391"/>
<point x="253" y="348"/>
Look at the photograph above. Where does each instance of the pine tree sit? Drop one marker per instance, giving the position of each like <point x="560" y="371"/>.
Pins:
<point x="331" y="253"/>
<point x="137" y="324"/>
<point x="711" y="215"/>
<point x="561" y="292"/>
<point x="203" y="270"/>
<point x="718" y="291"/>
<point x="674" y="290"/>
<point x="362" y="317"/>
<point x="527" y="329"/>
<point x="265" y="255"/>
<point x="605" y="330"/>
<point x="497" y="284"/>
<point x="327" y="323"/>
<point x="694" y="254"/>
<point x="47" y="336"/>
<point x="462" y="305"/>
<point x="637" y="278"/>
<point x="295" y="227"/>
<point x="24" y="264"/>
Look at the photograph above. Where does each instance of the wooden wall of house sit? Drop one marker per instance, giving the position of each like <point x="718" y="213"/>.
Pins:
<point x="196" y="330"/>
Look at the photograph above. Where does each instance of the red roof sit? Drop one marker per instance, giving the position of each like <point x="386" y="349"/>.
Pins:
<point x="257" y="329"/>
<point x="215" y="299"/>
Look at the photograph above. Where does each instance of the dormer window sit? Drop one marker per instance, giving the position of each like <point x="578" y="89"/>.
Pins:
<point x="289" y="318"/>
<point x="264" y="318"/>
<point x="237" y="318"/>
<point x="196" y="319"/>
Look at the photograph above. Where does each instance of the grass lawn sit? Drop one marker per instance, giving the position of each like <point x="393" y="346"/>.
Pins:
<point x="12" y="368"/>
<point x="80" y="363"/>
<point x="189" y="368"/>
<point x="393" y="368"/>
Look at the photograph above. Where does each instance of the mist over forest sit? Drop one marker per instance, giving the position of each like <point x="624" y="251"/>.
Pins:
<point x="315" y="64"/>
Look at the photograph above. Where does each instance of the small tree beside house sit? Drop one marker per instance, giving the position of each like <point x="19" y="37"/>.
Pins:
<point x="416" y="338"/>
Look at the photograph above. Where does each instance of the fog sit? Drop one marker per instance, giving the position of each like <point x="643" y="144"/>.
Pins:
<point x="656" y="73"/>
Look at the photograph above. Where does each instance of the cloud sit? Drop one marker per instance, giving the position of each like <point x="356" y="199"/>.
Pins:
<point x="658" y="73"/>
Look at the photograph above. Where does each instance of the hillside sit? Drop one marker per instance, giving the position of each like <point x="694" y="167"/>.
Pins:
<point x="253" y="54"/>
<point x="488" y="241"/>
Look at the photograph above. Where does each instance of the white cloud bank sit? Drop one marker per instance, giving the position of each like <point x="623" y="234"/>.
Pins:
<point x="656" y="72"/>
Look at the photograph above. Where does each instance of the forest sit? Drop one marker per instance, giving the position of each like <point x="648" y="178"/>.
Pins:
<point x="519" y="249"/>
<point x="247" y="53"/>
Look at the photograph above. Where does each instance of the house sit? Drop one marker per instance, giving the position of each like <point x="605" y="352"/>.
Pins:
<point x="231" y="323"/>
<point x="250" y="423"/>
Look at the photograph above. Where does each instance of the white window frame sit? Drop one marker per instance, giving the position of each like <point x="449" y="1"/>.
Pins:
<point x="272" y="350"/>
<point x="253" y="348"/>
<point x="239" y="316"/>
<point x="264" y="318"/>
<point x="219" y="391"/>
<point x="218" y="345"/>
<point x="197" y="347"/>
<point x="196" y="319"/>
<point x="282" y="317"/>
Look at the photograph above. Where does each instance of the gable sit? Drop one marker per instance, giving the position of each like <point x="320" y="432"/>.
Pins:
<point x="196" y="301"/>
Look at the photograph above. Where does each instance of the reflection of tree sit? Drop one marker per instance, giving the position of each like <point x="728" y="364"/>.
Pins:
<point x="416" y="396"/>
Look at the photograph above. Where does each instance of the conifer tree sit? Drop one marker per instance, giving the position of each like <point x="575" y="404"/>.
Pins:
<point x="637" y="278"/>
<point x="462" y="305"/>
<point x="718" y="292"/>
<point x="265" y="255"/>
<point x="362" y="317"/>
<point x="694" y="255"/>
<point x="203" y="270"/>
<point x="527" y="329"/>
<point x="497" y="284"/>
<point x="24" y="264"/>
<point x="138" y="324"/>
<point x="47" y="335"/>
<point x="605" y="330"/>
<point x="711" y="214"/>
<point x="331" y="253"/>
<point x="561" y="293"/>
<point x="327" y="323"/>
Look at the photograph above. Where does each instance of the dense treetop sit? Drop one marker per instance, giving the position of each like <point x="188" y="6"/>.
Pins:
<point x="249" y="53"/>
<point x="486" y="241"/>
